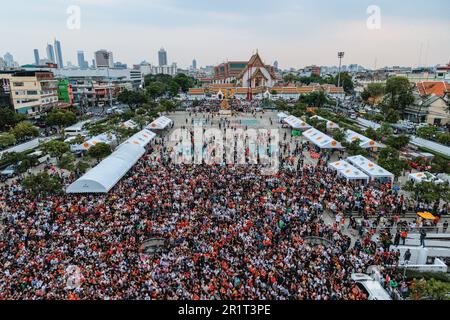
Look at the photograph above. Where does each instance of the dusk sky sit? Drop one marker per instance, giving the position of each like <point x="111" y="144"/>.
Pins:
<point x="294" y="32"/>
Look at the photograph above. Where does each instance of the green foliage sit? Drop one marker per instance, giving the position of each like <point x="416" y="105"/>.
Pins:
<point x="399" y="95"/>
<point x="392" y="115"/>
<point x="373" y="91"/>
<point x="431" y="289"/>
<point x="133" y="99"/>
<point x="61" y="118"/>
<point x="8" y="118"/>
<point x="440" y="165"/>
<point x="67" y="162"/>
<point x="339" y="135"/>
<point x="443" y="138"/>
<point x="398" y="142"/>
<point x="315" y="99"/>
<point x="428" y="191"/>
<point x="385" y="131"/>
<point x="354" y="148"/>
<point x="160" y="85"/>
<point x="7" y="139"/>
<point x="42" y="183"/>
<point x="390" y="160"/>
<point x="24" y="130"/>
<point x="427" y="132"/>
<point x="55" y="148"/>
<point x="100" y="151"/>
<point x="81" y="167"/>
<point x="371" y="134"/>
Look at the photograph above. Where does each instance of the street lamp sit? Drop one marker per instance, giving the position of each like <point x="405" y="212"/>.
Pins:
<point x="340" y="56"/>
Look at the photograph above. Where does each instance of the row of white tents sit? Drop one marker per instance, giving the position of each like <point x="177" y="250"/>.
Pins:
<point x="361" y="168"/>
<point x="324" y="141"/>
<point x="103" y="177"/>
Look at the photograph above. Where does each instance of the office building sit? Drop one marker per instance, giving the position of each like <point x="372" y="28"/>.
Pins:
<point x="58" y="54"/>
<point x="162" y="57"/>
<point x="50" y="53"/>
<point x="104" y="59"/>
<point x="82" y="63"/>
<point x="36" y="57"/>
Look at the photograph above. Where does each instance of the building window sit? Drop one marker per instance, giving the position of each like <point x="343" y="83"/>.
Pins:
<point x="18" y="84"/>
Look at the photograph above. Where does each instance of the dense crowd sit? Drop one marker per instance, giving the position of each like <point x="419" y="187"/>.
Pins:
<point x="230" y="232"/>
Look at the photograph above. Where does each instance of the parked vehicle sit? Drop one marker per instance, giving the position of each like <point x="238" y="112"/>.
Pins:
<point x="370" y="287"/>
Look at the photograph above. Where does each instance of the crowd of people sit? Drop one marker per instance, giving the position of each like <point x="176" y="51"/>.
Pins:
<point x="229" y="232"/>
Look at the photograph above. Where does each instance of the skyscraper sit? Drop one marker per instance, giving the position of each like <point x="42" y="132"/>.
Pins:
<point x="36" y="57"/>
<point x="162" y="57"/>
<point x="9" y="59"/>
<point x="104" y="59"/>
<point x="275" y="65"/>
<point x="81" y="62"/>
<point x="58" y="54"/>
<point x="50" y="53"/>
<point x="194" y="64"/>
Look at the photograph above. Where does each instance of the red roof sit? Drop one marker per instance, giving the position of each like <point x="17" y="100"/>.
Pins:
<point x="438" y="88"/>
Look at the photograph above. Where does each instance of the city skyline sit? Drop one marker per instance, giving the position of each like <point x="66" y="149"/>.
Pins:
<point x="214" y="32"/>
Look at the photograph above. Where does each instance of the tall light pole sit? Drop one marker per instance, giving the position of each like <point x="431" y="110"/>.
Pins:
<point x="340" y="56"/>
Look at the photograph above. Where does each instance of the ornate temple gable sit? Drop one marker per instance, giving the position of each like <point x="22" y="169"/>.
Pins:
<point x="258" y="73"/>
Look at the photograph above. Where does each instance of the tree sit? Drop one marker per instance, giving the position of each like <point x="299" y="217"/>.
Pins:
<point x="184" y="82"/>
<point x="7" y="139"/>
<point x="385" y="131"/>
<point x="398" y="142"/>
<point x="392" y="116"/>
<point x="371" y="134"/>
<point x="427" y="132"/>
<point x="67" y="162"/>
<point x="428" y="191"/>
<point x="100" y="151"/>
<point x="399" y="94"/>
<point x="373" y="92"/>
<point x="26" y="162"/>
<point x="133" y="99"/>
<point x="24" y="130"/>
<point x="443" y="138"/>
<point x="339" y="135"/>
<point x="354" y="148"/>
<point x="8" y="118"/>
<point x="156" y="89"/>
<point x="390" y="160"/>
<point x="55" y="148"/>
<point x="81" y="167"/>
<point x="346" y="82"/>
<point x="440" y="165"/>
<point x="42" y="184"/>
<point x="315" y="99"/>
<point x="61" y="118"/>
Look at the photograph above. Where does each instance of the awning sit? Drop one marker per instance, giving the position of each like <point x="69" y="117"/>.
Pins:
<point x="321" y="140"/>
<point x="370" y="168"/>
<point x="160" y="124"/>
<point x="107" y="138"/>
<point x="330" y="124"/>
<point x="296" y="123"/>
<point x="364" y="142"/>
<point x="348" y="171"/>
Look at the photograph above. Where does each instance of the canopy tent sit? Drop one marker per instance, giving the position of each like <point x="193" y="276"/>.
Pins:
<point x="281" y="116"/>
<point x="370" y="168"/>
<point x="420" y="177"/>
<point x="330" y="124"/>
<point x="368" y="124"/>
<point x="296" y="123"/>
<point x="348" y="171"/>
<point x="130" y="124"/>
<point x="107" y="138"/>
<point x="426" y="215"/>
<point x="160" y="124"/>
<point x="321" y="140"/>
<point x="365" y="142"/>
<point x="108" y="173"/>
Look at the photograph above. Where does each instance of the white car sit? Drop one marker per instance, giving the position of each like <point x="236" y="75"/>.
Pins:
<point x="372" y="288"/>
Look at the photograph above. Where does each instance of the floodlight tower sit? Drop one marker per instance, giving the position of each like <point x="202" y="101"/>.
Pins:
<point x="340" y="56"/>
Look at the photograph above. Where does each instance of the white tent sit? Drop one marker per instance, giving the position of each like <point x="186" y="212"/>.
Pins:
<point x="370" y="168"/>
<point x="108" y="173"/>
<point x="424" y="177"/>
<point x="321" y="140"/>
<point x="130" y="124"/>
<point x="281" y="116"/>
<point x="348" y="171"/>
<point x="296" y="123"/>
<point x="107" y="138"/>
<point x="160" y="124"/>
<point x="330" y="124"/>
<point x="365" y="142"/>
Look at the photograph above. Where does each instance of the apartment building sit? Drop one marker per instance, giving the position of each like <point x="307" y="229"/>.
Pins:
<point x="31" y="92"/>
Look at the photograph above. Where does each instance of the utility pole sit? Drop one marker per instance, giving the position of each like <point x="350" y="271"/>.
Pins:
<point x="340" y="56"/>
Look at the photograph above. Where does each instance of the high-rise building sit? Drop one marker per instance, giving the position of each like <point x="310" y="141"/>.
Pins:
<point x="162" y="57"/>
<point x="36" y="57"/>
<point x="194" y="64"/>
<point x="50" y="53"/>
<point x="82" y="64"/>
<point x="9" y="59"/>
<point x="58" y="54"/>
<point x="104" y="59"/>
<point x="275" y="65"/>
